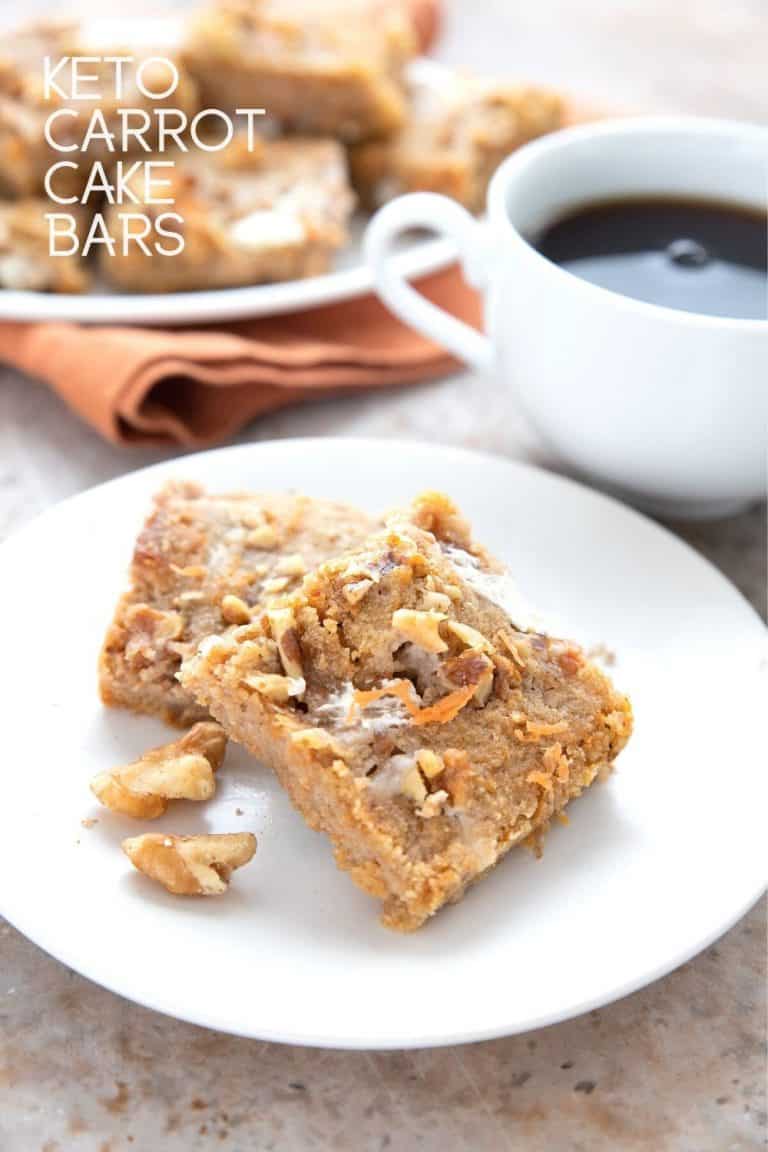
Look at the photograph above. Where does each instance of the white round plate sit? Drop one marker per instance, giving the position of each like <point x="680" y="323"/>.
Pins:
<point x="350" y="278"/>
<point x="654" y="865"/>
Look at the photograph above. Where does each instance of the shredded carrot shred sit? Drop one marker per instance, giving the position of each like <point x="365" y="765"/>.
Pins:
<point x="403" y="689"/>
<point x="439" y="713"/>
<point x="541" y="779"/>
<point x="445" y="709"/>
<point x="539" y="729"/>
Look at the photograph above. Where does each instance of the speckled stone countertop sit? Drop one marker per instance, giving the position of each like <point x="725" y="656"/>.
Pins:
<point x="677" y="1067"/>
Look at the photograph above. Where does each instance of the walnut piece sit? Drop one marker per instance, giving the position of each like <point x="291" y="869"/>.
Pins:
<point x="276" y="584"/>
<point x="151" y="631"/>
<point x="471" y="668"/>
<point x="421" y="628"/>
<point x="264" y="536"/>
<point x="437" y="601"/>
<point x="412" y="785"/>
<point x="518" y="647"/>
<point x="191" y="865"/>
<point x="434" y="804"/>
<point x="469" y="637"/>
<point x="277" y="688"/>
<point x="282" y="625"/>
<point x="355" y="591"/>
<point x="458" y="777"/>
<point x="318" y="740"/>
<point x="182" y="770"/>
<point x="291" y="565"/>
<point x="234" y="610"/>
<point x="430" y="763"/>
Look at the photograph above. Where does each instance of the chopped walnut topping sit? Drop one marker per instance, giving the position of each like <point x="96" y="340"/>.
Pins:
<point x="276" y="584"/>
<point x="472" y="669"/>
<point x="282" y="625"/>
<point x="182" y="770"/>
<point x="197" y="572"/>
<point x="517" y="648"/>
<point x="457" y="778"/>
<point x="193" y="596"/>
<point x="255" y="654"/>
<point x="430" y="763"/>
<point x="264" y="537"/>
<point x="484" y="687"/>
<point x="251" y="517"/>
<point x="151" y="630"/>
<point x="434" y="804"/>
<point x="234" y="610"/>
<point x="215" y="649"/>
<point x="291" y="565"/>
<point x="318" y="740"/>
<point x="469" y="637"/>
<point x="357" y="569"/>
<point x="191" y="865"/>
<point x="436" y="601"/>
<point x="279" y="689"/>
<point x="421" y="628"/>
<point x="412" y="785"/>
<point x="355" y="591"/>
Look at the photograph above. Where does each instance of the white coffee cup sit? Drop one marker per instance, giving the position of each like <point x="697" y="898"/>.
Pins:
<point x="669" y="408"/>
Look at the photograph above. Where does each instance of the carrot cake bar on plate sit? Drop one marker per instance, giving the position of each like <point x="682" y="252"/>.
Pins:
<point x="25" y="156"/>
<point x="458" y="129"/>
<point x="327" y="66"/>
<point x="408" y="715"/>
<point x="277" y="212"/>
<point x="201" y="563"/>
<point x="26" y="263"/>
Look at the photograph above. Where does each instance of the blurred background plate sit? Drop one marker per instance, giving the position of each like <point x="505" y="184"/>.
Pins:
<point x="350" y="278"/>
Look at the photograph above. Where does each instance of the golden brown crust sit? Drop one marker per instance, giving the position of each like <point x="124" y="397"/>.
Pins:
<point x="26" y="262"/>
<point x="331" y="69"/>
<point x="193" y="553"/>
<point x="279" y="213"/>
<point x="457" y="132"/>
<point x="24" y="154"/>
<point x="423" y="764"/>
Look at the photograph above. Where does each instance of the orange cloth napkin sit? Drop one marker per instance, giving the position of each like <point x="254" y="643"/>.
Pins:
<point x="197" y="387"/>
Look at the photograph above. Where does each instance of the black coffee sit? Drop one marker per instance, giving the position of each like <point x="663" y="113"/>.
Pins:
<point x="693" y="255"/>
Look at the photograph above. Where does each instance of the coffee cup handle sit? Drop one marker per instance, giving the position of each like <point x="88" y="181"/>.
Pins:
<point x="437" y="213"/>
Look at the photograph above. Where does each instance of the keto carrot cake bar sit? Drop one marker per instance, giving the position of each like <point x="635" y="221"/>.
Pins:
<point x="458" y="129"/>
<point x="327" y="66"/>
<point x="25" y="156"/>
<point x="26" y="263"/>
<point x="201" y="563"/>
<point x="277" y="212"/>
<point x="408" y="715"/>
